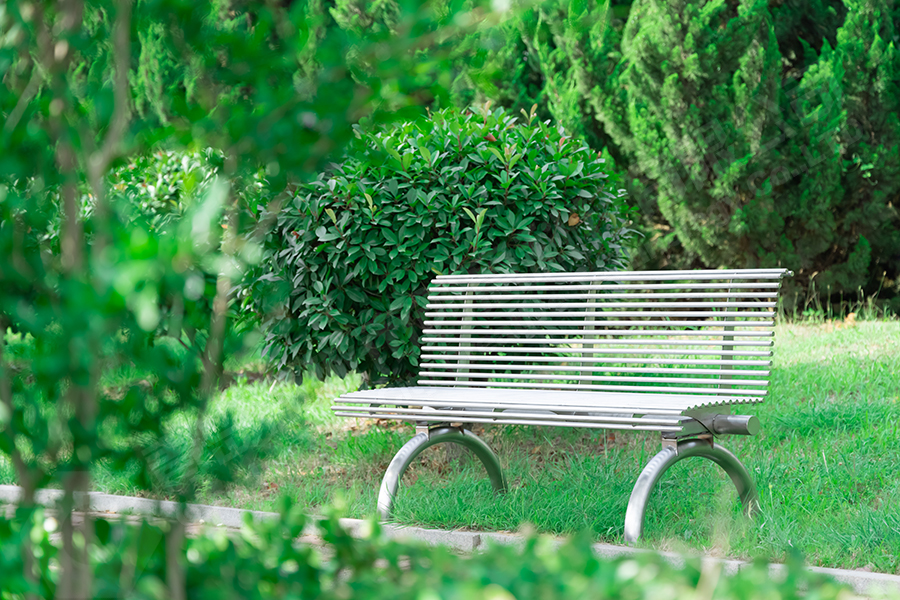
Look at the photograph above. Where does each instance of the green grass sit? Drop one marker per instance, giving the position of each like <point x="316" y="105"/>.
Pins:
<point x="827" y="463"/>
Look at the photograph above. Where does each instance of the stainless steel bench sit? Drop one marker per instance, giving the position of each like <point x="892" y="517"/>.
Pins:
<point x="667" y="351"/>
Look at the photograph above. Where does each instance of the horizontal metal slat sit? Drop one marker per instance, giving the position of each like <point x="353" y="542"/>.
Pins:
<point x="483" y="296"/>
<point x="591" y="360"/>
<point x="582" y="333"/>
<point x="533" y="422"/>
<point x="692" y="380"/>
<point x="568" y="343"/>
<point x="637" y="317"/>
<point x="742" y="274"/>
<point x="650" y="404"/>
<point x="604" y="306"/>
<point x="629" y="400"/>
<point x="613" y="351"/>
<point x="592" y="387"/>
<point x="580" y="320"/>
<point x="441" y="288"/>
<point x="507" y="413"/>
<point x="469" y="366"/>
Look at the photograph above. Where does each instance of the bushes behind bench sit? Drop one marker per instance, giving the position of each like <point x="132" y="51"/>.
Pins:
<point x="350" y="259"/>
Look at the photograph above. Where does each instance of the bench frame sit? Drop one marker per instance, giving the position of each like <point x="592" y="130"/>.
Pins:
<point x="695" y="438"/>
<point x="673" y="451"/>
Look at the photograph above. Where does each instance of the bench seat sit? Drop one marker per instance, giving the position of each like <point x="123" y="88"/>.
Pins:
<point x="560" y="408"/>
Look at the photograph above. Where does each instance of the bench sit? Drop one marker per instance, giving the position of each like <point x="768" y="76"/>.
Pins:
<point x="666" y="351"/>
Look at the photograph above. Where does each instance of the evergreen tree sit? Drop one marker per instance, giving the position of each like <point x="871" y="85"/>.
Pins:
<point x="702" y="82"/>
<point x="513" y="75"/>
<point x="796" y="185"/>
<point x="802" y="28"/>
<point x="868" y="221"/>
<point x="759" y="163"/>
<point x="578" y="51"/>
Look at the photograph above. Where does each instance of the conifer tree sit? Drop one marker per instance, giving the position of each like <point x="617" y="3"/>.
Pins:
<point x="702" y="84"/>
<point x="514" y="75"/>
<point x="578" y="52"/>
<point x="868" y="222"/>
<point x="796" y="187"/>
<point x="802" y="28"/>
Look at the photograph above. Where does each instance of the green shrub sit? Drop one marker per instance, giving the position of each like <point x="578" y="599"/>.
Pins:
<point x="352" y="256"/>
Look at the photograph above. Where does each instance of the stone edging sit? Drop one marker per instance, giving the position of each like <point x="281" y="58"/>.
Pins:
<point x="871" y="584"/>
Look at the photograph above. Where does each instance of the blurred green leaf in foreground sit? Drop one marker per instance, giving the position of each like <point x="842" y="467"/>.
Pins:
<point x="253" y="95"/>
<point x="263" y="561"/>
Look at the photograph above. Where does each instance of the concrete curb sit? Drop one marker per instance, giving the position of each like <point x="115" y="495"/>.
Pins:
<point x="862" y="582"/>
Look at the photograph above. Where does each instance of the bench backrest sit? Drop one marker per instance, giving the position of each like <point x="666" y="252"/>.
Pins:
<point x="673" y="332"/>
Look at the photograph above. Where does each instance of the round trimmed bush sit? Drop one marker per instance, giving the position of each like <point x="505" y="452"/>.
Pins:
<point x="351" y="257"/>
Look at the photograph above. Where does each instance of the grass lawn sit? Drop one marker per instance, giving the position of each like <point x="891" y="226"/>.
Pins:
<point x="827" y="462"/>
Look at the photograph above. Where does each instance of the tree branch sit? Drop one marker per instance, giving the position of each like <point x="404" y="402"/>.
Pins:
<point x="34" y="84"/>
<point x="99" y="161"/>
<point x="22" y="472"/>
<point x="6" y="399"/>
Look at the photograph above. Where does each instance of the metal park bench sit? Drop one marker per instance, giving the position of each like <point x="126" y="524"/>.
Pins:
<point x="667" y="351"/>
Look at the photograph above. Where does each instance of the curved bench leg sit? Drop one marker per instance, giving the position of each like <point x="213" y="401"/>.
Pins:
<point x="637" y="504"/>
<point x="420" y="442"/>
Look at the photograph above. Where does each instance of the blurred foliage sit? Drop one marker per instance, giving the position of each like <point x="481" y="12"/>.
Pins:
<point x="480" y="191"/>
<point x="163" y="185"/>
<point x="263" y="561"/>
<point x="121" y="235"/>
